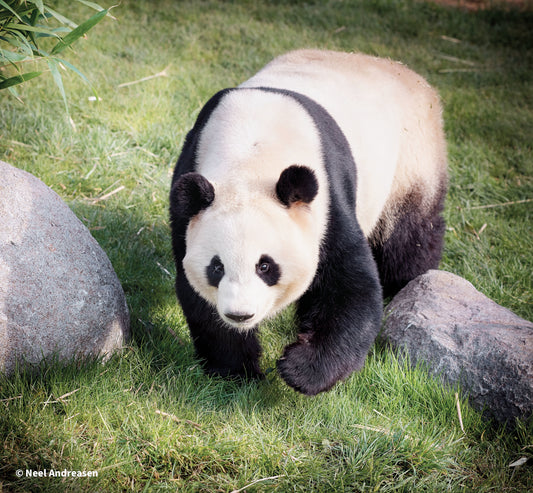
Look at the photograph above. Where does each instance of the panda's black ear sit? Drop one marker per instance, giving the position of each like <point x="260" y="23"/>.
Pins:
<point x="297" y="184"/>
<point x="190" y="194"/>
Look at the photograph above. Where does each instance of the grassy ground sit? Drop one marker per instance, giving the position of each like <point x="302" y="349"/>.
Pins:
<point x="149" y="420"/>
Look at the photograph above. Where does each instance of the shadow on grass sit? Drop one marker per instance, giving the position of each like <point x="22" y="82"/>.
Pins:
<point x="140" y="252"/>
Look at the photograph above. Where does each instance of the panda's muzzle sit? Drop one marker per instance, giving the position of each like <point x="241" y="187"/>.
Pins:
<point x="239" y="317"/>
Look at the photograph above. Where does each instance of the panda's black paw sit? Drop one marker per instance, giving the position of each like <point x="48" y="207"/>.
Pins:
<point x="304" y="368"/>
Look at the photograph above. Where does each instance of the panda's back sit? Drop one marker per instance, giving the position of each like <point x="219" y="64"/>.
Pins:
<point x="379" y="105"/>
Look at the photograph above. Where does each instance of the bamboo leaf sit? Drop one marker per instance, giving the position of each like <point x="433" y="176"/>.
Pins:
<point x="26" y="27"/>
<point x="21" y="42"/>
<point x="73" y="68"/>
<point x="34" y="16"/>
<point x="18" y="79"/>
<point x="19" y="11"/>
<point x="61" y="18"/>
<point x="61" y="30"/>
<point x="33" y="20"/>
<point x="39" y="5"/>
<point x="78" y="32"/>
<point x="14" y="93"/>
<point x="54" y="69"/>
<point x="6" y="6"/>
<point x="11" y="56"/>
<point x="79" y="73"/>
<point x="92" y="5"/>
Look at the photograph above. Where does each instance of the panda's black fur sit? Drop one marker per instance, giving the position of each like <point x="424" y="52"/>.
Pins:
<point x="340" y="313"/>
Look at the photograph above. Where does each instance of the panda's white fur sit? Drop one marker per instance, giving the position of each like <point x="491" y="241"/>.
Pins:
<point x="363" y="205"/>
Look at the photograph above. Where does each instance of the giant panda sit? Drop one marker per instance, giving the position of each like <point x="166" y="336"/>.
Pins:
<point x="319" y="181"/>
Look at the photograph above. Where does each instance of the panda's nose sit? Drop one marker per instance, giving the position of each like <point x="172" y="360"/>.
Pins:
<point x="239" y="317"/>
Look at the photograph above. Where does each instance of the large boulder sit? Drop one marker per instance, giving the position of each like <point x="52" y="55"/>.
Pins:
<point x="59" y="295"/>
<point x="467" y="339"/>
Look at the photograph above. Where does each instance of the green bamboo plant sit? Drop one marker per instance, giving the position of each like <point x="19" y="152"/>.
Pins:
<point x="27" y="27"/>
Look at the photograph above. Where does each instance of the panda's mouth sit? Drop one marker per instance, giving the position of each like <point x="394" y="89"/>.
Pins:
<point x="240" y="321"/>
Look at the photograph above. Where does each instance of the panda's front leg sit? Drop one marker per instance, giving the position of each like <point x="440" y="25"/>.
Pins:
<point x="339" y="317"/>
<point x="222" y="349"/>
<point x="226" y="352"/>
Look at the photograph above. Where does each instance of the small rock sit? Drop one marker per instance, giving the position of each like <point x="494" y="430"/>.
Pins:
<point x="59" y="294"/>
<point x="467" y="339"/>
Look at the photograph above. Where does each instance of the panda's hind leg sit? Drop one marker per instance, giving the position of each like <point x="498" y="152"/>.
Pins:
<point x="413" y="245"/>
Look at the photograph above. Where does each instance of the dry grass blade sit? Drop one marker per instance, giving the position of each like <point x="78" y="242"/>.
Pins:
<point x="107" y="195"/>
<point x="163" y="73"/>
<point x="503" y="204"/>
<point x="378" y="429"/>
<point x="61" y="399"/>
<point x="11" y="398"/>
<point x="519" y="462"/>
<point x="255" y="482"/>
<point x="179" y="420"/>
<point x="457" y="403"/>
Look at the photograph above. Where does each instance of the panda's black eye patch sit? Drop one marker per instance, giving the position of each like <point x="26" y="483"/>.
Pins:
<point x="268" y="270"/>
<point x="215" y="271"/>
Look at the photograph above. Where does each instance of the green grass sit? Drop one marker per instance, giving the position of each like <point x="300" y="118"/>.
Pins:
<point x="389" y="427"/>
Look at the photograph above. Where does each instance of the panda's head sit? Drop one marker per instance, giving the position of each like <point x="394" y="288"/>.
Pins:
<point x="249" y="257"/>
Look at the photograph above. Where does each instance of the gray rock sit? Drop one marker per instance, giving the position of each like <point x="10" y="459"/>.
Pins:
<point x="466" y="338"/>
<point x="59" y="294"/>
